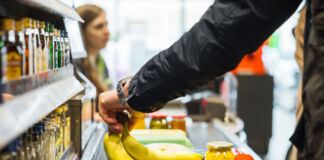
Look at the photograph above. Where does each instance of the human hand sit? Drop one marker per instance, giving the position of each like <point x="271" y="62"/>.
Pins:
<point x="114" y="114"/>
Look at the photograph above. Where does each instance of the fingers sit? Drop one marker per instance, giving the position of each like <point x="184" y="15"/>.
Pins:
<point x="114" y="114"/>
<point x="109" y="118"/>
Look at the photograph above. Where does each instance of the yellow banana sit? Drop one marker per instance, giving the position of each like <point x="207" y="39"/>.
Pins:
<point x="140" y="152"/>
<point x="114" y="148"/>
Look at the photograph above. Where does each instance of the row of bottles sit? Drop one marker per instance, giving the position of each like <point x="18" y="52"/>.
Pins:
<point x="46" y="140"/>
<point x="29" y="46"/>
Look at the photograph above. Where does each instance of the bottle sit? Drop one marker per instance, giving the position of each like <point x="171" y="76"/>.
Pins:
<point x="19" y="40"/>
<point x="26" y="145"/>
<point x="179" y="122"/>
<point x="47" y="41"/>
<point x="3" y="60"/>
<point x="44" y="48"/>
<point x="159" y="122"/>
<point x="64" y="109"/>
<point x="33" y="40"/>
<point x="21" y="154"/>
<point x="62" y="48"/>
<point x="68" y="125"/>
<point x="55" y="48"/>
<point x="51" y="47"/>
<point x="67" y="49"/>
<point x="36" y="143"/>
<point x="50" y="141"/>
<point x="28" y="46"/>
<point x="219" y="150"/>
<point x="59" y="132"/>
<point x="10" y="152"/>
<point x="38" y="56"/>
<point x="14" y="54"/>
<point x="59" y="48"/>
<point x="66" y="118"/>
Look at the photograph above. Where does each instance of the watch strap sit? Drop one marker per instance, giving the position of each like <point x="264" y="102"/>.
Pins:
<point x="120" y="92"/>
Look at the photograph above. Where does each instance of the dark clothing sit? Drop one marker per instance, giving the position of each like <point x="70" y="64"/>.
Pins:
<point x="227" y="31"/>
<point x="309" y="134"/>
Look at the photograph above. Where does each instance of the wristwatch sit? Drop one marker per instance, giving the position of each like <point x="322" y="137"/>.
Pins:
<point x="120" y="92"/>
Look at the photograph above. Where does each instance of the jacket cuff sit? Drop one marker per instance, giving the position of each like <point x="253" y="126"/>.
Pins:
<point x="137" y="101"/>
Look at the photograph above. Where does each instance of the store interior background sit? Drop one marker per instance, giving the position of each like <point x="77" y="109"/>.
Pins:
<point x="140" y="29"/>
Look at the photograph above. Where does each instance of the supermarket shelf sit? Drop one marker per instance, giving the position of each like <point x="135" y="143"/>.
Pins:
<point x="27" y="109"/>
<point x="68" y="153"/>
<point x="29" y="83"/>
<point x="94" y="149"/>
<point x="55" y="7"/>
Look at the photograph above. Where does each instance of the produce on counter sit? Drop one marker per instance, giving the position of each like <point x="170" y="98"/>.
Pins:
<point x="114" y="147"/>
<point x="140" y="152"/>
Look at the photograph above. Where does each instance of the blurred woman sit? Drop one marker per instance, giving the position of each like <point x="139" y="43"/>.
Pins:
<point x="96" y="36"/>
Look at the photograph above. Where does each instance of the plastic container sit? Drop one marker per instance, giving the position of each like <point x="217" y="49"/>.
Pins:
<point x="219" y="150"/>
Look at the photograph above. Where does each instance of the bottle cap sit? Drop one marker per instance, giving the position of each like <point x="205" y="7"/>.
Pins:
<point x="64" y="107"/>
<point x="46" y="27"/>
<point x="51" y="28"/>
<point x="42" y="24"/>
<point x="36" y="23"/>
<point x="58" y="110"/>
<point x="58" y="33"/>
<point x="27" y="22"/>
<point x="19" y="25"/>
<point x="8" y="24"/>
<point x="33" y="23"/>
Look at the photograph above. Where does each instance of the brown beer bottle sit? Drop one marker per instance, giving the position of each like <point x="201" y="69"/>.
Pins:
<point x="13" y="55"/>
<point x="19" y="40"/>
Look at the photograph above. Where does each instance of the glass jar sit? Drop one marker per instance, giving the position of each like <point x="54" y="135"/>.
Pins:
<point x="179" y="122"/>
<point x="159" y="122"/>
<point x="219" y="150"/>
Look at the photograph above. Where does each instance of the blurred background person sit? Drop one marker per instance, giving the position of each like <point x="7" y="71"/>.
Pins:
<point x="96" y="36"/>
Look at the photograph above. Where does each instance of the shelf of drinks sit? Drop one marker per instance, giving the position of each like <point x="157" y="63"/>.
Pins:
<point x="51" y="6"/>
<point x="20" y="113"/>
<point x="28" y="83"/>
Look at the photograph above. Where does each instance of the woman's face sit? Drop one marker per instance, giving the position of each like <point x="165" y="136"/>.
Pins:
<point x="96" y="34"/>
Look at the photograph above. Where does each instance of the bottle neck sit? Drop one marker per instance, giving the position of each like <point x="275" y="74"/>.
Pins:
<point x="10" y="36"/>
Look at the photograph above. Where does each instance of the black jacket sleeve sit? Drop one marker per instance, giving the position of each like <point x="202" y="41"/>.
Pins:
<point x="226" y="32"/>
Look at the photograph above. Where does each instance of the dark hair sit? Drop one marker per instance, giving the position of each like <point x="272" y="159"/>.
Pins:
<point x="88" y="13"/>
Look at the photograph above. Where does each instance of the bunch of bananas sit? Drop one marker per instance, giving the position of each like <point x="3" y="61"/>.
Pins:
<point x="126" y="147"/>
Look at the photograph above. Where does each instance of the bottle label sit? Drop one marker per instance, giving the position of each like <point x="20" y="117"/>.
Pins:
<point x="39" y="59"/>
<point x="45" y="59"/>
<point x="13" y="65"/>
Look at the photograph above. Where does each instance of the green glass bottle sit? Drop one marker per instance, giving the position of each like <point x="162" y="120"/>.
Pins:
<point x="51" y="46"/>
<point x="59" y="49"/>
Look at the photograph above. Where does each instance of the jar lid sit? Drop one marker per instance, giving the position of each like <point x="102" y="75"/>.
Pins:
<point x="158" y="116"/>
<point x="179" y="116"/>
<point x="219" y="145"/>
